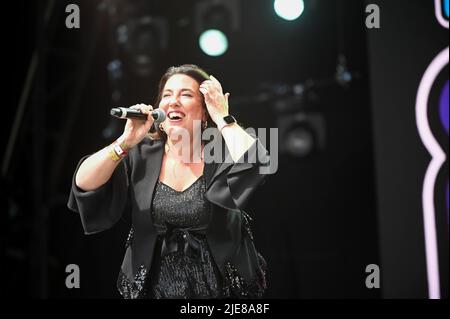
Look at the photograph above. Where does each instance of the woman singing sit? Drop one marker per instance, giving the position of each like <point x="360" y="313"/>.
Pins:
<point x="190" y="237"/>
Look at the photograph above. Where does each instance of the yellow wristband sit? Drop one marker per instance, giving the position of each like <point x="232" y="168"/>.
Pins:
<point x="112" y="153"/>
<point x="122" y="144"/>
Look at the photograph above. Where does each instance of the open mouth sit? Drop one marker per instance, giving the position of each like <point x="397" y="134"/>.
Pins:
<point x="175" y="116"/>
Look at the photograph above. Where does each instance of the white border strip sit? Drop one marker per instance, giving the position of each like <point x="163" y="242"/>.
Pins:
<point x="438" y="12"/>
<point x="438" y="158"/>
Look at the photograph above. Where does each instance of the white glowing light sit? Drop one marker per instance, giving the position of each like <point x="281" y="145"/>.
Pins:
<point x="213" y="42"/>
<point x="289" y="9"/>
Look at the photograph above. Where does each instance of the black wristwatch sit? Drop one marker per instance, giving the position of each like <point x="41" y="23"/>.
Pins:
<point x="229" y="119"/>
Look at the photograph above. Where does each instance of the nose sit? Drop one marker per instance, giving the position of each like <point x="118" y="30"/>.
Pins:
<point x="174" y="101"/>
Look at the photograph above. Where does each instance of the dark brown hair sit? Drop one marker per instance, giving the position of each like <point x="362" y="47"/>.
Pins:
<point x="190" y="70"/>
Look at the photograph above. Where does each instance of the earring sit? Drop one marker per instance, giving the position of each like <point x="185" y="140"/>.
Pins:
<point x="161" y="127"/>
<point x="205" y="124"/>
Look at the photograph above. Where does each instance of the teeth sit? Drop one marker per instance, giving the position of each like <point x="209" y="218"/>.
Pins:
<point x="175" y="115"/>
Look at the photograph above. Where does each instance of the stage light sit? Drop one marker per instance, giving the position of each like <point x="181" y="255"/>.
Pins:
<point x="215" y="23"/>
<point x="141" y="36"/>
<point x="213" y="42"/>
<point x="289" y="9"/>
<point x="300" y="141"/>
<point x="144" y="39"/>
<point x="302" y="134"/>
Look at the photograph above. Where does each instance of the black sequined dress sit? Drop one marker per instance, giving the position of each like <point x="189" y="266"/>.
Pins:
<point x="183" y="266"/>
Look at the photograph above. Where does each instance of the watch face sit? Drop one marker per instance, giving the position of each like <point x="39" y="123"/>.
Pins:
<point x="229" y="119"/>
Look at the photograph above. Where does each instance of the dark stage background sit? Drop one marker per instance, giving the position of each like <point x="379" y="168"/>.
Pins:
<point x="319" y="221"/>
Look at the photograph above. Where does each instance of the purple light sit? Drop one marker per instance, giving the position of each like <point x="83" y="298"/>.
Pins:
<point x="438" y="159"/>
<point x="443" y="107"/>
<point x="443" y="112"/>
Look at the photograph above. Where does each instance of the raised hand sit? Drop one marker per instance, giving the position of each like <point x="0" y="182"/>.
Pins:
<point x="216" y="101"/>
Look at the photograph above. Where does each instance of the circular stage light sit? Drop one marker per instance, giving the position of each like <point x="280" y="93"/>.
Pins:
<point x="213" y="42"/>
<point x="289" y="9"/>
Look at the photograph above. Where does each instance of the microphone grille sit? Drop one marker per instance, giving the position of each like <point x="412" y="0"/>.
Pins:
<point x="159" y="115"/>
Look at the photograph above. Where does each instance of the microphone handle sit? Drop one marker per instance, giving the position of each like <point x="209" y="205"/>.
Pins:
<point x="137" y="115"/>
<point x="126" y="113"/>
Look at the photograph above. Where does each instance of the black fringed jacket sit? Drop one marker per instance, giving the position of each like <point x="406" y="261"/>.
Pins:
<point x="229" y="186"/>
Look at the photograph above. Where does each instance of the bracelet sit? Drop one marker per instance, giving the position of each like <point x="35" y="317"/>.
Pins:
<point x="112" y="153"/>
<point x="118" y="151"/>
<point x="121" y="146"/>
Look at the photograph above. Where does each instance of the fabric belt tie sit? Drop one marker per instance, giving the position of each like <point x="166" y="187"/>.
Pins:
<point x="182" y="239"/>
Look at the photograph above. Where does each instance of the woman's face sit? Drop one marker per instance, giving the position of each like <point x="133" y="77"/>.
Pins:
<point x="181" y="100"/>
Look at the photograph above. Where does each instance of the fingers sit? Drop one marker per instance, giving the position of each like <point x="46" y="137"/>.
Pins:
<point x="212" y="83"/>
<point x="204" y="87"/>
<point x="144" y="108"/>
<point x="208" y="86"/>
<point x="214" y="80"/>
<point x="147" y="109"/>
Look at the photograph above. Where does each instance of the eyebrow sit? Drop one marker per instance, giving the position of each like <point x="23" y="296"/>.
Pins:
<point x="185" y="89"/>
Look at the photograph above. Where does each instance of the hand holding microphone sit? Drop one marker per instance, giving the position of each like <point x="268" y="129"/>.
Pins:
<point x="140" y="118"/>
<point x="132" y="113"/>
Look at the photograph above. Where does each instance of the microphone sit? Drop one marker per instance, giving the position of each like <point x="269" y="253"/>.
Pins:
<point x="127" y="113"/>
